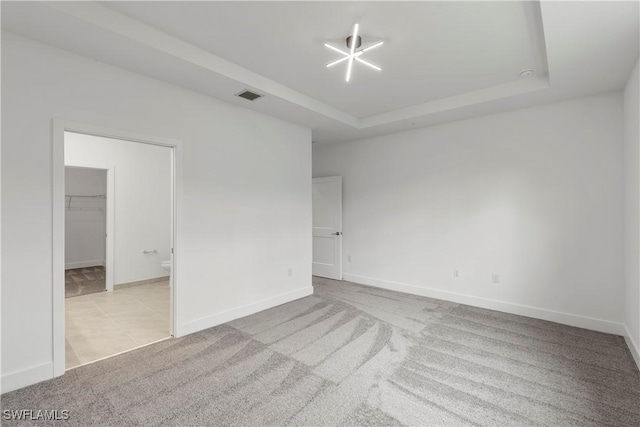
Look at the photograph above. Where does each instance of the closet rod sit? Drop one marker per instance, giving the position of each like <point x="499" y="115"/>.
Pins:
<point x="71" y="196"/>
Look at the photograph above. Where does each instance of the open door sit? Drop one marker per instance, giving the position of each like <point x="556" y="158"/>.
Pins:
<point x="327" y="227"/>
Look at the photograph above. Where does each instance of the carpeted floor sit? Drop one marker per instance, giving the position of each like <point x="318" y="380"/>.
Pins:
<point x="84" y="281"/>
<point x="355" y="355"/>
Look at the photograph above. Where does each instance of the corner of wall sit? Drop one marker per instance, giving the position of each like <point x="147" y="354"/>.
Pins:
<point x="633" y="346"/>
<point x="631" y="128"/>
<point x="242" y="311"/>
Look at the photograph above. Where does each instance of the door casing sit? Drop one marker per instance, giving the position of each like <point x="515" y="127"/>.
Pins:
<point x="58" y="217"/>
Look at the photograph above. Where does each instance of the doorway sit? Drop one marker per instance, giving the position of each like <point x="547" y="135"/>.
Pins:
<point x="85" y="231"/>
<point x="114" y="285"/>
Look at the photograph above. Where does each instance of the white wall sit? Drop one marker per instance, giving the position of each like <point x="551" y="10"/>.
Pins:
<point x="85" y="181"/>
<point x="142" y="200"/>
<point x="85" y="219"/>
<point x="632" y="211"/>
<point x="533" y="195"/>
<point x="246" y="195"/>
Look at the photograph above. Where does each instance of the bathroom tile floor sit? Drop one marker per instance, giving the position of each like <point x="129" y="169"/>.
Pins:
<point x="106" y="323"/>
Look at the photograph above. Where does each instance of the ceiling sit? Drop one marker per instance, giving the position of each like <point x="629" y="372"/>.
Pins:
<point x="441" y="60"/>
<point x="433" y="49"/>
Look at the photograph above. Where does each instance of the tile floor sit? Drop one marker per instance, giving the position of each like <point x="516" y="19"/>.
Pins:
<point x="106" y="323"/>
<point x="83" y="281"/>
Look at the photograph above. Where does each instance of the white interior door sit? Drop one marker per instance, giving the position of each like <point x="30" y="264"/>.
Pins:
<point x="327" y="227"/>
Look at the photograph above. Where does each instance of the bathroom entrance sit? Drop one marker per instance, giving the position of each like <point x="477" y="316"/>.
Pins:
<point x="118" y="246"/>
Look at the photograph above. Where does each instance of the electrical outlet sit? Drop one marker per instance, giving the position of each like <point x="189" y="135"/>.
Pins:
<point x="348" y="258"/>
<point x="290" y="272"/>
<point x="456" y="273"/>
<point x="495" y="278"/>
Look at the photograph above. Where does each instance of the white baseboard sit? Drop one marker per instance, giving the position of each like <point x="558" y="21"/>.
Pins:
<point x="245" y="310"/>
<point x="84" y="264"/>
<point x="141" y="282"/>
<point x="633" y="346"/>
<point x="15" y="380"/>
<point x="594" y="324"/>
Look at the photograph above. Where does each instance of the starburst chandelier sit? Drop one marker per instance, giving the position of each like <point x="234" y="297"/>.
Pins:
<point x="354" y="53"/>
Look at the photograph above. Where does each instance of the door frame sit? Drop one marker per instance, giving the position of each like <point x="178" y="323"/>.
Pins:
<point x="60" y="126"/>
<point x="109" y="255"/>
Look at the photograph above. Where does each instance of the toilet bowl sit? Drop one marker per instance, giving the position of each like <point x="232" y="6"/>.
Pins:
<point x="166" y="265"/>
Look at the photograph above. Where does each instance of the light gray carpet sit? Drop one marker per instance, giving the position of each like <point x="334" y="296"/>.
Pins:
<point x="355" y="355"/>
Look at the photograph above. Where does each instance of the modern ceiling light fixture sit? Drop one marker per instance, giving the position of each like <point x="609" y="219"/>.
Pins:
<point x="354" y="42"/>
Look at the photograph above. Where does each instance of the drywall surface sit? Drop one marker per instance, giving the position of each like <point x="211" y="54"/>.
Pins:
<point x="85" y="220"/>
<point x="526" y="206"/>
<point x="632" y="210"/>
<point x="142" y="200"/>
<point x="245" y="198"/>
<point x="85" y="181"/>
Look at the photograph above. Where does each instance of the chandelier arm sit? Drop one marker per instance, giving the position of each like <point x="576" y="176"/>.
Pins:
<point x="373" y="46"/>
<point x="337" y="61"/>
<point x="337" y="49"/>
<point x="362" y="61"/>
<point x="353" y="50"/>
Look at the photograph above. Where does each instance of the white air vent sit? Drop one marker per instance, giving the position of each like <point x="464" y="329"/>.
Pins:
<point x="247" y="94"/>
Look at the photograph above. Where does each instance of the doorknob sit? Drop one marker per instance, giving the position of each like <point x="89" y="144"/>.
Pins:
<point x="337" y="233"/>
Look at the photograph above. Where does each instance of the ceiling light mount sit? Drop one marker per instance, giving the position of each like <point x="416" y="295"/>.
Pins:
<point x="358" y="41"/>
<point x="354" y="52"/>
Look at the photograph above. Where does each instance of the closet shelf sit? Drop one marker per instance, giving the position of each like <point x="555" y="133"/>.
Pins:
<point x="78" y="202"/>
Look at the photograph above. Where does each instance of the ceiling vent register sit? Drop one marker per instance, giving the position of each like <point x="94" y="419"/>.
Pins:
<point x="248" y="95"/>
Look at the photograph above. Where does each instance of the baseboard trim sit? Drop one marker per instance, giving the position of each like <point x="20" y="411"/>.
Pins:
<point x="633" y="346"/>
<point x="585" y="322"/>
<point x="27" y="377"/>
<point x="140" y="282"/>
<point x="245" y="310"/>
<point x="84" y="264"/>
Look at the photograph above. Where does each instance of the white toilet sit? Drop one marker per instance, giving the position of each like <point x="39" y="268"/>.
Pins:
<point x="166" y="265"/>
